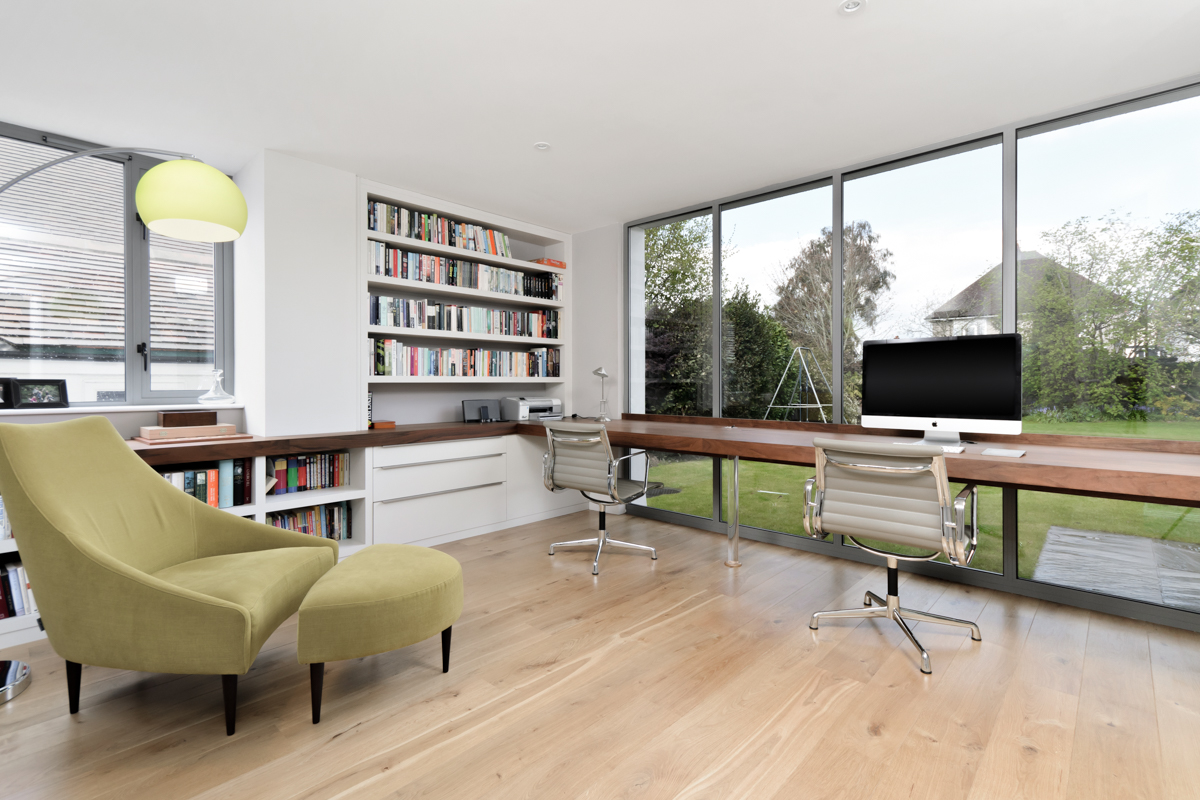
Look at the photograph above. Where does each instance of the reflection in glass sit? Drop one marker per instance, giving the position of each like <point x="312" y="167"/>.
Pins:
<point x="678" y="482"/>
<point x="1141" y="551"/>
<point x="1109" y="292"/>
<point x="922" y="249"/>
<point x="776" y="321"/>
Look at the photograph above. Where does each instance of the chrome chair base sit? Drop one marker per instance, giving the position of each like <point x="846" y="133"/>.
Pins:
<point x="600" y="541"/>
<point x="878" y="607"/>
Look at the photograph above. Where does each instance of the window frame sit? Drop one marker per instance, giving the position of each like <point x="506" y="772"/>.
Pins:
<point x="138" y="390"/>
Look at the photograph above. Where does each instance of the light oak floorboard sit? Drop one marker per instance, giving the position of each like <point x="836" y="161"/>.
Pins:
<point x="676" y="678"/>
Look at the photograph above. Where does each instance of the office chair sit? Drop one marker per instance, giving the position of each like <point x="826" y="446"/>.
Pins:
<point x="897" y="494"/>
<point x="581" y="458"/>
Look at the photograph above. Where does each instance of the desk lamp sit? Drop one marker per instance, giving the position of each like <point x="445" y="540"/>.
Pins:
<point x="603" y="416"/>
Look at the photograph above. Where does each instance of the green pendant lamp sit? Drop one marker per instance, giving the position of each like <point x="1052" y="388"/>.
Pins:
<point x="184" y="199"/>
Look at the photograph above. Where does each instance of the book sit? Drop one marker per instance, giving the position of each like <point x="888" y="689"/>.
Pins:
<point x="15" y="588"/>
<point x="186" y="431"/>
<point x="281" y="481"/>
<point x="225" y="483"/>
<point x="293" y="474"/>
<point x="239" y="481"/>
<point x="398" y="312"/>
<point x="30" y="602"/>
<point x="392" y="357"/>
<point x="383" y="424"/>
<point x="202" y="485"/>
<point x="189" y="439"/>
<point x="413" y="224"/>
<point x="189" y="482"/>
<point x="248" y="481"/>
<point x="549" y="262"/>
<point x="213" y="485"/>
<point x="178" y="419"/>
<point x="331" y="520"/>
<point x="10" y="608"/>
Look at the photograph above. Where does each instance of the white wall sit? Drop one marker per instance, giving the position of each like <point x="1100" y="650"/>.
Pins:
<point x="598" y="332"/>
<point x="296" y="312"/>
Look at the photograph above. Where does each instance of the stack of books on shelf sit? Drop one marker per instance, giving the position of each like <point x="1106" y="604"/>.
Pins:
<point x="393" y="262"/>
<point x="175" y="427"/>
<point x="329" y="521"/>
<point x="306" y="472"/>
<point x="397" y="312"/>
<point x="223" y="484"/>
<point x="384" y="218"/>
<point x="16" y="599"/>
<point x="392" y="357"/>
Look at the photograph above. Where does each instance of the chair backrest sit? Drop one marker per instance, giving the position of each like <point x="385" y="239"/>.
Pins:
<point x="579" y="458"/>
<point x="894" y="493"/>
<point x="78" y="483"/>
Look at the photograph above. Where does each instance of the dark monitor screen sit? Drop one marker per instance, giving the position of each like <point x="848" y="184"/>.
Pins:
<point x="960" y="377"/>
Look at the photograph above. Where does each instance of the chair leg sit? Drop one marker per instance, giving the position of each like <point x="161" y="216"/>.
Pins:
<point x="229" y="689"/>
<point x="446" y="650"/>
<point x="631" y="545"/>
<point x="908" y="632"/>
<point x="575" y="543"/>
<point x="871" y="597"/>
<point x="316" y="682"/>
<point x="74" y="675"/>
<point x="846" y="613"/>
<point x="925" y="616"/>
<point x="599" y="548"/>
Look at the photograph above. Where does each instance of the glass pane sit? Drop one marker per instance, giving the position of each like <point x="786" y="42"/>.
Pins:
<point x="1141" y="551"/>
<point x="671" y="287"/>
<point x="678" y="482"/>
<point x="62" y="272"/>
<point x="770" y="496"/>
<point x="1108" y="295"/>
<point x="181" y="314"/>
<point x="989" y="551"/>
<point x="922" y="252"/>
<point x="776" y="326"/>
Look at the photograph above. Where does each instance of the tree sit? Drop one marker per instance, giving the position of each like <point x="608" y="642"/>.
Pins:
<point x="805" y="305"/>
<point x="755" y="350"/>
<point x="678" y="260"/>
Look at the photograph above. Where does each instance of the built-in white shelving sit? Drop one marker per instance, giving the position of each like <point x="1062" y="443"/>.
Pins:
<point x="458" y="379"/>
<point x="425" y="333"/>
<point x="386" y="284"/>
<point x="446" y="251"/>
<point x="8" y="545"/>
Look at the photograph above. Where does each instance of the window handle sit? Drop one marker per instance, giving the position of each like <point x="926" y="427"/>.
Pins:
<point x="144" y="352"/>
<point x="142" y="222"/>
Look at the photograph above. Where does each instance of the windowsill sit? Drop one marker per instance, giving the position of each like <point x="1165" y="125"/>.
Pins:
<point x="114" y="409"/>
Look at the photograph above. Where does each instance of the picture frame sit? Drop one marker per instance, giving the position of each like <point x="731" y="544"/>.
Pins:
<point x="6" y="393"/>
<point x="38" y="392"/>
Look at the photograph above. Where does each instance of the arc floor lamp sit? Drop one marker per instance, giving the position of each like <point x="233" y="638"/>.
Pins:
<point x="183" y="199"/>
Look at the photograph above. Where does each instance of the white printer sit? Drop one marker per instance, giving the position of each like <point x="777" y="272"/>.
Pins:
<point x="521" y="409"/>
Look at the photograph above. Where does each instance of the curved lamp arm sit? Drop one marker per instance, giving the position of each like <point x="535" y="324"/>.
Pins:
<point x="99" y="151"/>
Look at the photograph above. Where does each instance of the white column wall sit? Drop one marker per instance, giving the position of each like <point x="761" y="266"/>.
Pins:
<point x="598" y="331"/>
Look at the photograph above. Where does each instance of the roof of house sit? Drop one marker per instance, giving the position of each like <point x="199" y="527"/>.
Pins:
<point x="982" y="297"/>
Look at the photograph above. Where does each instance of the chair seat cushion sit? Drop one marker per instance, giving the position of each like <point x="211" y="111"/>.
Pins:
<point x="382" y="598"/>
<point x="269" y="584"/>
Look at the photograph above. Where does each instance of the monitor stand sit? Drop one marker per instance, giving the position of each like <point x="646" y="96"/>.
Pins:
<point x="941" y="438"/>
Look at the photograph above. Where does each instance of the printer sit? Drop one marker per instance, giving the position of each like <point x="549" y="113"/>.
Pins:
<point x="530" y="408"/>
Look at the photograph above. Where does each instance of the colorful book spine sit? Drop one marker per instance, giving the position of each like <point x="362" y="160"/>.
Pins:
<point x="213" y="484"/>
<point x="398" y="221"/>
<point x="398" y="312"/>
<point x="391" y="357"/>
<point x="225" y="483"/>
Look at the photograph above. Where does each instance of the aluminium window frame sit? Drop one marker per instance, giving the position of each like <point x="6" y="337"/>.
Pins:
<point x="1008" y="136"/>
<point x="137" y="283"/>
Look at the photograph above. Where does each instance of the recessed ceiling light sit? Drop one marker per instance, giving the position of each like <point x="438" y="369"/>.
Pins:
<point x="851" y="7"/>
<point x="542" y="145"/>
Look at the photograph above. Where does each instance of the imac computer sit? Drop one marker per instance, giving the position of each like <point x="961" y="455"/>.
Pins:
<point x="943" y="386"/>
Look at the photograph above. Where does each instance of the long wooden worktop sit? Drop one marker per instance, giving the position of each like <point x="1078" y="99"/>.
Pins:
<point x="1165" y="471"/>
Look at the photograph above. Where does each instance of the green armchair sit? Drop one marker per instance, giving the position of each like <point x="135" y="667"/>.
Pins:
<point x="132" y="573"/>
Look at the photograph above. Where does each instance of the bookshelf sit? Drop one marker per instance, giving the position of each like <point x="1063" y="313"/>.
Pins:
<point x="526" y="242"/>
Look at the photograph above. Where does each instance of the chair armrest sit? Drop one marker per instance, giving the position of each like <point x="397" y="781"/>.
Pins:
<point x="220" y="533"/>
<point x="631" y="454"/>
<point x="964" y="532"/>
<point x="812" y="511"/>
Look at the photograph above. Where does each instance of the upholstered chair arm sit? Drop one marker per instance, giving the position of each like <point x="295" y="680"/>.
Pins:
<point x="812" y="510"/>
<point x="220" y="533"/>
<point x="961" y="538"/>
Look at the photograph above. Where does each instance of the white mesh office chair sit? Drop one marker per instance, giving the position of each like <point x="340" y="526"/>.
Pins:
<point x="897" y="494"/>
<point x="581" y="458"/>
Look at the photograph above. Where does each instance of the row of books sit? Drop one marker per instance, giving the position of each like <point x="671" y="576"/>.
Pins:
<point x="392" y="357"/>
<point x="311" y="471"/>
<point x="384" y="218"/>
<point x="329" y="521"/>
<point x="225" y="484"/>
<point x="16" y="598"/>
<point x="430" y="315"/>
<point x="393" y="262"/>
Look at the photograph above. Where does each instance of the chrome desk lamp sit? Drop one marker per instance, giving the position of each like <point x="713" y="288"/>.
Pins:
<point x="603" y="375"/>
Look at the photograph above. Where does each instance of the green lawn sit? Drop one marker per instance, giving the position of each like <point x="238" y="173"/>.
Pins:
<point x="1154" y="429"/>
<point x="772" y="496"/>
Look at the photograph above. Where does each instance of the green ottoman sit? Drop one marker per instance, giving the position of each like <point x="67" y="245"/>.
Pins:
<point x="382" y="598"/>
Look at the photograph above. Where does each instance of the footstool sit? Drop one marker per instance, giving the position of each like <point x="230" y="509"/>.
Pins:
<point x="385" y="597"/>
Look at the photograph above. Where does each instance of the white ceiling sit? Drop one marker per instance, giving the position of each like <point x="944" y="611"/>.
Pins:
<point x="649" y="106"/>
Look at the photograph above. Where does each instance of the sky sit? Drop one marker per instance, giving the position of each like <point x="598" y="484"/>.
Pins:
<point x="942" y="219"/>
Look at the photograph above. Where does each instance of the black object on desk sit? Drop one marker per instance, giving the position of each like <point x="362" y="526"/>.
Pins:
<point x="481" y="410"/>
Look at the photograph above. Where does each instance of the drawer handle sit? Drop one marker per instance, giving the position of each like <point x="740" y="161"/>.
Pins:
<point x="441" y="461"/>
<point x="390" y="446"/>
<point x="443" y="491"/>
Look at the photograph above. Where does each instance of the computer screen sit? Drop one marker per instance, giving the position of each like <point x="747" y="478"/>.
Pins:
<point x="959" y="377"/>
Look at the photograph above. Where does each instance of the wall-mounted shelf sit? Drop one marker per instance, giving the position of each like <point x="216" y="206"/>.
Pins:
<point x="385" y="283"/>
<point x="447" y="251"/>
<point x="312" y="497"/>
<point x="8" y="545"/>
<point x="380" y="379"/>
<point x="424" y="333"/>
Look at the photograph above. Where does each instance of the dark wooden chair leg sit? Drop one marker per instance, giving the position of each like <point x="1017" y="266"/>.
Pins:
<point x="446" y="649"/>
<point x="74" y="674"/>
<point x="316" y="680"/>
<point x="229" y="688"/>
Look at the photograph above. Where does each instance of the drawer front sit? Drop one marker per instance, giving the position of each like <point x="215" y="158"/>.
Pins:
<point x="408" y="480"/>
<point x="416" y="518"/>
<point x="436" y="451"/>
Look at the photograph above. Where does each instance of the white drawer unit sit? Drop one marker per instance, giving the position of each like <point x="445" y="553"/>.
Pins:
<point x="437" y="451"/>
<point x="412" y="519"/>
<point x="460" y="472"/>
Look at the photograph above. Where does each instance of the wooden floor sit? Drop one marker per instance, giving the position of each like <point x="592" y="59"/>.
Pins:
<point x="676" y="678"/>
